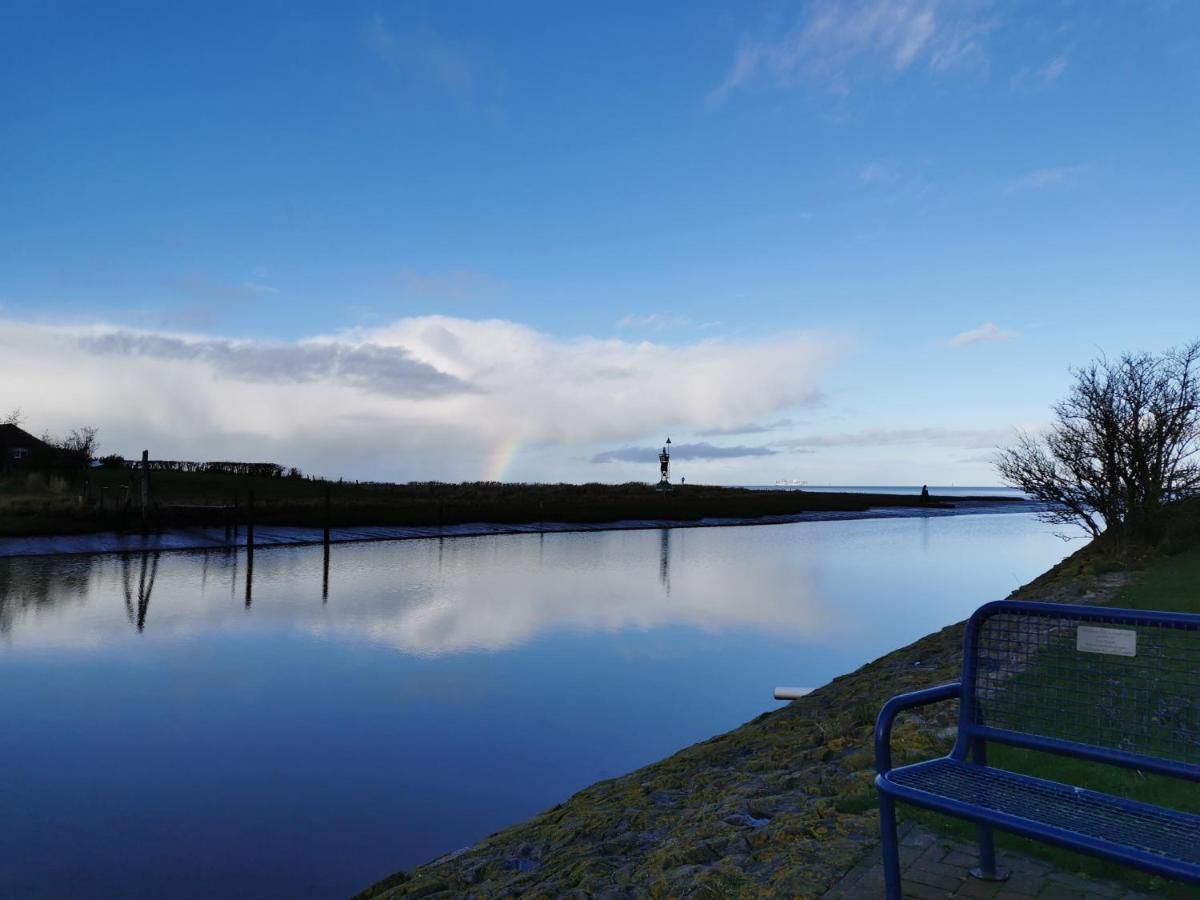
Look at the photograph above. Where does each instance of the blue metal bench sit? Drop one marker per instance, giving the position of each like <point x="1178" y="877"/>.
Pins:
<point x="1109" y="685"/>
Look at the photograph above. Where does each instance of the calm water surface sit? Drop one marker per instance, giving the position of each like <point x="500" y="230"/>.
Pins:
<point x="165" y="733"/>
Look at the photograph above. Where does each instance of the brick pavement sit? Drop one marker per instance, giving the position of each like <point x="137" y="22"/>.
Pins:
<point x="937" y="867"/>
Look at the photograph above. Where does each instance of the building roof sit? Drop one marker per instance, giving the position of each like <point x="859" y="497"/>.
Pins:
<point x="12" y="436"/>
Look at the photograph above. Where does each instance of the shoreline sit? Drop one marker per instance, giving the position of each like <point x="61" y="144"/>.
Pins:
<point x="267" y="536"/>
<point x="784" y="804"/>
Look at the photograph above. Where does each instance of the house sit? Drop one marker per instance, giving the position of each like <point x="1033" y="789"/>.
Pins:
<point x="20" y="450"/>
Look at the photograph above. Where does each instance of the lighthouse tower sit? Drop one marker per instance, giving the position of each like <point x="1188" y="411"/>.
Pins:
<point x="664" y="467"/>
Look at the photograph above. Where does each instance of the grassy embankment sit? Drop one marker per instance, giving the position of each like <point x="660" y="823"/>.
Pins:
<point x="33" y="505"/>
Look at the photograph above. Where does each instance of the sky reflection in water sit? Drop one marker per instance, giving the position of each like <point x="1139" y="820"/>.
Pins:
<point x="168" y="733"/>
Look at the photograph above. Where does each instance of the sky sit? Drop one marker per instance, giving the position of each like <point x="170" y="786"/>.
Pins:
<point x="838" y="242"/>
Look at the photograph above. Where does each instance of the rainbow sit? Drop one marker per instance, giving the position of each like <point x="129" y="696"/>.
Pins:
<point x="499" y="459"/>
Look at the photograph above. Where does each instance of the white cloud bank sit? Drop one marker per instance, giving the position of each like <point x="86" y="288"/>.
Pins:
<point x="428" y="397"/>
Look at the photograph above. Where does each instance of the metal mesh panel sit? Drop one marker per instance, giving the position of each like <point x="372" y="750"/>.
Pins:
<point x="1149" y="828"/>
<point x="1139" y="693"/>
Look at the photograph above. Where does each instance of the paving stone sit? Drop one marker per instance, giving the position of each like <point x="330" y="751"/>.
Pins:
<point x="936" y="868"/>
<point x="1058" y="892"/>
<point x="918" y="838"/>
<point x="963" y="858"/>
<point x="944" y="868"/>
<point x="1082" y="885"/>
<point x="973" y="887"/>
<point x="921" y="875"/>
<point x="1030" y="885"/>
<point x="924" y="892"/>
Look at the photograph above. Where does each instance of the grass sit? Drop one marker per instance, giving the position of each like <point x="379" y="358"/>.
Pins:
<point x="1167" y="583"/>
<point x="33" y="505"/>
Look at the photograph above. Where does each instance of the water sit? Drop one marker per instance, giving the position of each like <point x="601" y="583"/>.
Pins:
<point x="166" y="733"/>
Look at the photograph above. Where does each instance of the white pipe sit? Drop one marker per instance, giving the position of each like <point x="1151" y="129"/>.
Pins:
<point x="791" y="693"/>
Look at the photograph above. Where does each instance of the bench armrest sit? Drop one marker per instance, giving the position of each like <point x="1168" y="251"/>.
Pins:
<point x="887" y="715"/>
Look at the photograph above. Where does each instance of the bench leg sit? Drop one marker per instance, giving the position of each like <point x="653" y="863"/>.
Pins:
<point x="890" y="845"/>
<point x="987" y="869"/>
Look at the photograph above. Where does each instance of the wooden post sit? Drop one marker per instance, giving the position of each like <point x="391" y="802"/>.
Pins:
<point x="325" y="532"/>
<point x="145" y="485"/>
<point x="249" y="545"/>
<point x="325" y="577"/>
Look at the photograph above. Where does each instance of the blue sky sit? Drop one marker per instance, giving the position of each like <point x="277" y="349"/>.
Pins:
<point x="844" y="242"/>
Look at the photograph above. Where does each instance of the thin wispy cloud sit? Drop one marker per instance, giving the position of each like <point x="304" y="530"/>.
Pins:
<point x="963" y="438"/>
<point x="987" y="333"/>
<point x="454" y="285"/>
<point x="837" y="43"/>
<point x="203" y="287"/>
<point x="1039" y="78"/>
<point x="422" y="54"/>
<point x="745" y="428"/>
<point x="654" y="321"/>
<point x="701" y="451"/>
<point x="877" y="173"/>
<point x="1060" y="176"/>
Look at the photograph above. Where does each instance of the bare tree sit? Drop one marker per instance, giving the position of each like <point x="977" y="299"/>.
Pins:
<point x="78" y="447"/>
<point x="16" y="417"/>
<point x="1123" y="444"/>
<point x="82" y="441"/>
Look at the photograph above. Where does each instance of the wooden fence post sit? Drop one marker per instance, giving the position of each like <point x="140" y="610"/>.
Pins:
<point x="145" y="485"/>
<point x="325" y="532"/>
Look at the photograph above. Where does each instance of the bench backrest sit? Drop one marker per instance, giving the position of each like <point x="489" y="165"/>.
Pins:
<point x="1115" y="685"/>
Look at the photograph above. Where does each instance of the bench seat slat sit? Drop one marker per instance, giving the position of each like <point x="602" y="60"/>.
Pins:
<point x="1069" y="810"/>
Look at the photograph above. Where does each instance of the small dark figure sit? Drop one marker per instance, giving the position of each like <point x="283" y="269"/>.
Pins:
<point x="924" y="493"/>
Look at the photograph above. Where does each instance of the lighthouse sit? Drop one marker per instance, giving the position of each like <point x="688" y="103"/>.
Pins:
<point x="664" y="467"/>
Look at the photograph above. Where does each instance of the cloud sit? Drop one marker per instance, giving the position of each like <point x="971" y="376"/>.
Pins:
<point x="257" y="287"/>
<point x="1061" y="176"/>
<point x="1039" y="78"/>
<point x="422" y="397"/>
<point x="471" y="605"/>
<point x="965" y="438"/>
<point x="203" y="287"/>
<point x="421" y="53"/>
<point x="746" y="428"/>
<point x="986" y="333"/>
<point x="412" y="57"/>
<point x="654" y="321"/>
<point x="386" y="370"/>
<point x="876" y="173"/>
<point x="839" y="42"/>
<point x="680" y="451"/>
